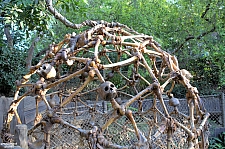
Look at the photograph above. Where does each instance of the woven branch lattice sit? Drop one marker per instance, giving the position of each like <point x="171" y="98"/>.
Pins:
<point x="93" y="63"/>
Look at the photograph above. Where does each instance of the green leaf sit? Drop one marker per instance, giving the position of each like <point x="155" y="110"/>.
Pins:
<point x="15" y="13"/>
<point x="7" y="21"/>
<point x="19" y="10"/>
<point x="62" y="6"/>
<point x="27" y="33"/>
<point x="7" y="18"/>
<point x="86" y="2"/>
<point x="67" y="8"/>
<point x="21" y="25"/>
<point x="218" y="140"/>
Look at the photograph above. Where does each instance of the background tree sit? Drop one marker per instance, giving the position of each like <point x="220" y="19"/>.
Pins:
<point x="21" y="21"/>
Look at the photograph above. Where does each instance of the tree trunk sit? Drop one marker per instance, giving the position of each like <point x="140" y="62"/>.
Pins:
<point x="31" y="51"/>
<point x="9" y="37"/>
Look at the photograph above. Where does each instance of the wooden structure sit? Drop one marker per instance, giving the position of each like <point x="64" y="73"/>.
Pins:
<point x="76" y="67"/>
<point x="214" y="104"/>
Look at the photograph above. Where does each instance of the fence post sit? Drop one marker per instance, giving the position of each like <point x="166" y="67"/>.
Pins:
<point x="223" y="109"/>
<point x="104" y="106"/>
<point x="21" y="136"/>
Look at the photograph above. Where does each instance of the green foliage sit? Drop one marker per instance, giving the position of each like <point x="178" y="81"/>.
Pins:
<point x="26" y="14"/>
<point x="218" y="142"/>
<point x="12" y="66"/>
<point x="24" y="19"/>
<point x="206" y="74"/>
<point x="116" y="79"/>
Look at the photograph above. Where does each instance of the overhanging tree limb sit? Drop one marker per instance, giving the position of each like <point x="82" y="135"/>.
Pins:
<point x="90" y="23"/>
<point x="61" y="17"/>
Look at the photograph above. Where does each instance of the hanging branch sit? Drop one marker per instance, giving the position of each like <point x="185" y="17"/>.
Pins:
<point x="61" y="17"/>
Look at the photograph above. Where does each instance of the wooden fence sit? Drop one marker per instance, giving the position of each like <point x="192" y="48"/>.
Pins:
<point x="215" y="105"/>
<point x="26" y="110"/>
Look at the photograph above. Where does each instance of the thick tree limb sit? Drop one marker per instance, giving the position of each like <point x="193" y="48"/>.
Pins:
<point x="60" y="17"/>
<point x="90" y="23"/>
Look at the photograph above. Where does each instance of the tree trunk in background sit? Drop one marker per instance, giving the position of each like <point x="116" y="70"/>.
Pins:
<point x="31" y="52"/>
<point x="9" y="37"/>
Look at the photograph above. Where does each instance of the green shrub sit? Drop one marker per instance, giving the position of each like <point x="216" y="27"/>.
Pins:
<point x="12" y="64"/>
<point x="218" y="142"/>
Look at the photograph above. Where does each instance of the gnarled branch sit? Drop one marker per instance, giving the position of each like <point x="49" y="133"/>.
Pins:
<point x="61" y="17"/>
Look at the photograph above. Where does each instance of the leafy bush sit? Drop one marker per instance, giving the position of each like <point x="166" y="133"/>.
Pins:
<point x="218" y="142"/>
<point x="12" y="64"/>
<point x="206" y="75"/>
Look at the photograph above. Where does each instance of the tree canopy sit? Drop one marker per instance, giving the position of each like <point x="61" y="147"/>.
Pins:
<point x="191" y="30"/>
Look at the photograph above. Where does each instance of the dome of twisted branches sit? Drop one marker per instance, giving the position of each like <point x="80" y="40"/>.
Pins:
<point x="127" y="71"/>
